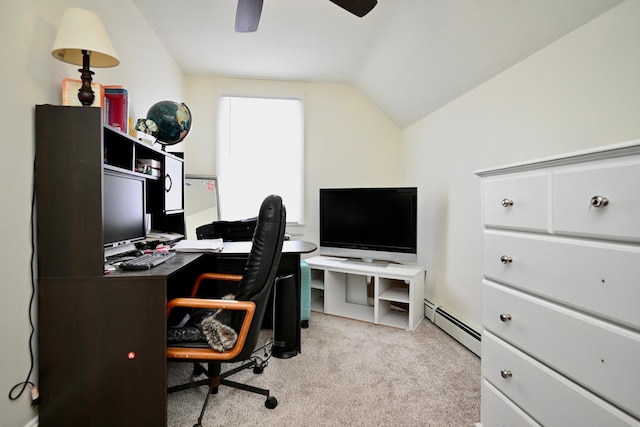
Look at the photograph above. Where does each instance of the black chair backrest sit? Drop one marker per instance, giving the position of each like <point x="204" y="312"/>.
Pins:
<point x="266" y="249"/>
<point x="262" y="264"/>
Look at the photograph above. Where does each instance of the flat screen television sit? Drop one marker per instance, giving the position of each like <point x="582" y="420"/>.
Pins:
<point x="124" y="209"/>
<point x="370" y="224"/>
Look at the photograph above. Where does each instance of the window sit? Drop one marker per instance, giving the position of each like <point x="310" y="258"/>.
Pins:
<point x="260" y="152"/>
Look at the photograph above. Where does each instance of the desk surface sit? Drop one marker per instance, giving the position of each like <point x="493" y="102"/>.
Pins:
<point x="289" y="247"/>
<point x="183" y="259"/>
<point x="106" y="318"/>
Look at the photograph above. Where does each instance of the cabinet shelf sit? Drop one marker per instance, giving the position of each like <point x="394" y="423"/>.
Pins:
<point x="361" y="312"/>
<point x="130" y="172"/>
<point x="317" y="304"/>
<point x="317" y="279"/>
<point x="396" y="295"/>
<point x="395" y="319"/>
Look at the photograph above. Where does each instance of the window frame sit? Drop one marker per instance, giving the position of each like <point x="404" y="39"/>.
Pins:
<point x="221" y="145"/>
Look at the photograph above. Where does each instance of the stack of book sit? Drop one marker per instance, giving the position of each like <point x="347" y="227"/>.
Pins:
<point x="116" y="107"/>
<point x="148" y="166"/>
<point x="113" y="99"/>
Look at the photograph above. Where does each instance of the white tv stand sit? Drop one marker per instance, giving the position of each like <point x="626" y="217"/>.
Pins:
<point x="391" y="294"/>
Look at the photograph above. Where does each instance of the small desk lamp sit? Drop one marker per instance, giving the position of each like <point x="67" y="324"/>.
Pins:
<point x="82" y="37"/>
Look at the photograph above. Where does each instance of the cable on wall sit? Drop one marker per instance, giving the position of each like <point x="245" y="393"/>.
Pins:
<point x="35" y="398"/>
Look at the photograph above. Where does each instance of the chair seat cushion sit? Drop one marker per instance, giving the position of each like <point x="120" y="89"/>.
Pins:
<point x="186" y="335"/>
<point x="201" y="329"/>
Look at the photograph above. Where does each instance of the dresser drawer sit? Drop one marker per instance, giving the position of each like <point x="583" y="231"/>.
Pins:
<point x="499" y="411"/>
<point x="575" y="196"/>
<point x="598" y="277"/>
<point x="518" y="202"/>
<point x="599" y="355"/>
<point x="547" y="397"/>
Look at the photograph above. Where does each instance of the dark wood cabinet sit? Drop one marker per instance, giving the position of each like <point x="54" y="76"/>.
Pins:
<point x="68" y="174"/>
<point x="167" y="194"/>
<point x="100" y="362"/>
<point x="73" y="149"/>
<point x="101" y="337"/>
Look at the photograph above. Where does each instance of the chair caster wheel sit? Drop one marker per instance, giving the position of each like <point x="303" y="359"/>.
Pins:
<point x="197" y="425"/>
<point x="271" y="402"/>
<point x="258" y="369"/>
<point x="304" y="324"/>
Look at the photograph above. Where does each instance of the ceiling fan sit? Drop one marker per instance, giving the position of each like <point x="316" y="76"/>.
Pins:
<point x="248" y="12"/>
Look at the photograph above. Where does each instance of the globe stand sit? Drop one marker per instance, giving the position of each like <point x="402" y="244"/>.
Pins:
<point x="167" y="121"/>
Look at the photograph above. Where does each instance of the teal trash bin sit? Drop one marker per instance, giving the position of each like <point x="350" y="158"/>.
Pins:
<point x="305" y="294"/>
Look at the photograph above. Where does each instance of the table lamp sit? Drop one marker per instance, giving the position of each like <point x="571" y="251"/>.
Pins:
<point x="82" y="39"/>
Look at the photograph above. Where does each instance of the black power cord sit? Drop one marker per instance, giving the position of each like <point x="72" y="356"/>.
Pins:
<point x="35" y="397"/>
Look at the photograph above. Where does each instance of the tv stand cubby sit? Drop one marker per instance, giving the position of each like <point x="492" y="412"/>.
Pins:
<point x="391" y="294"/>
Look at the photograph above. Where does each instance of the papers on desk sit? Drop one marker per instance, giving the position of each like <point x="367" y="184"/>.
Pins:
<point x="164" y="237"/>
<point x="205" y="245"/>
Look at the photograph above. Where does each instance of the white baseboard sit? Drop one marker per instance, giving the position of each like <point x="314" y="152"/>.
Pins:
<point x="458" y="330"/>
<point x="33" y="423"/>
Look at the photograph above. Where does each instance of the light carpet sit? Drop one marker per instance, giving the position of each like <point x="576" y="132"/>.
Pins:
<point x="349" y="373"/>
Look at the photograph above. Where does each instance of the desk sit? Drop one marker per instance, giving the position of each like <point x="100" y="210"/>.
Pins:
<point x="233" y="257"/>
<point x="102" y="340"/>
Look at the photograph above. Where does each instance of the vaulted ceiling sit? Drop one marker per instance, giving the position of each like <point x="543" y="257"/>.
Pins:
<point x="410" y="57"/>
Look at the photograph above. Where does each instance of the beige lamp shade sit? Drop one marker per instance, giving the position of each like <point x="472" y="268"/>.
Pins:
<point x="82" y="29"/>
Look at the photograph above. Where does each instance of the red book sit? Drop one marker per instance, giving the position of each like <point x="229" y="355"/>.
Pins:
<point x="117" y="107"/>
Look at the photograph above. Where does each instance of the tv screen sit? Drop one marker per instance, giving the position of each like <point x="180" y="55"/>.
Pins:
<point x="124" y="209"/>
<point x="369" y="223"/>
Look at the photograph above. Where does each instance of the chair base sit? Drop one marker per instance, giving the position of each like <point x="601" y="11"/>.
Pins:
<point x="215" y="379"/>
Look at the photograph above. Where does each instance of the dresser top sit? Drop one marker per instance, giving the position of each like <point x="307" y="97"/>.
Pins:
<point x="596" y="153"/>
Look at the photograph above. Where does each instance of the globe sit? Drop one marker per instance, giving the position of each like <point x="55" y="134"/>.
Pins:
<point x="168" y="121"/>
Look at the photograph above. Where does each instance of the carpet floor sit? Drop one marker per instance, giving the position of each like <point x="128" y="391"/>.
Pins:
<point x="349" y="373"/>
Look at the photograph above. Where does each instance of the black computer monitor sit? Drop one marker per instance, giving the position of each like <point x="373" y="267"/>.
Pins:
<point x="124" y="209"/>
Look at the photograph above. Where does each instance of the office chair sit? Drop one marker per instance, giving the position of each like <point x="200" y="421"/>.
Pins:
<point x="245" y="312"/>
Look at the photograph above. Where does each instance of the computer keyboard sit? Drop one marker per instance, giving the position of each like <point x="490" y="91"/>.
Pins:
<point x="147" y="261"/>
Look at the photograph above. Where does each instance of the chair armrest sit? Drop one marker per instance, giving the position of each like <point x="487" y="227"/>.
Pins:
<point x="249" y="307"/>
<point x="213" y="276"/>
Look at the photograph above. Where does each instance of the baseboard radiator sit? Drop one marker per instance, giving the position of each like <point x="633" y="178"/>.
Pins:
<point x="458" y="330"/>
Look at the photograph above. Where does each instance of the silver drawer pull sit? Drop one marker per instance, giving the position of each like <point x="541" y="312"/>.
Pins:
<point x="506" y="259"/>
<point x="505" y="317"/>
<point x="505" y="373"/>
<point x="599" y="201"/>
<point x="507" y="202"/>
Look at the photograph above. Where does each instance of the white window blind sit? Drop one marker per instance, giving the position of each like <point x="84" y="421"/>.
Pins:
<point x="260" y="152"/>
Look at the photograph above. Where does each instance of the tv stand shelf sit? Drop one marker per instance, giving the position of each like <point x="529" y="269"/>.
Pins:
<point x="391" y="294"/>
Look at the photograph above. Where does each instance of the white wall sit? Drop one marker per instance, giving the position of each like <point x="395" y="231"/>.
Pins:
<point x="348" y="140"/>
<point x="582" y="91"/>
<point x="30" y="76"/>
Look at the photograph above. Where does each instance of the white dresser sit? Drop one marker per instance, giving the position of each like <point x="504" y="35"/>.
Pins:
<point x="561" y="290"/>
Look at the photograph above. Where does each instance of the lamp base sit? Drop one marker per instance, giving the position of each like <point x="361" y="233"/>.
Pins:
<point x="85" y="93"/>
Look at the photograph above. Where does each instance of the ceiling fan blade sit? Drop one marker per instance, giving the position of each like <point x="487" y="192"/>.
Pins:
<point x="248" y="15"/>
<point x="357" y="7"/>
